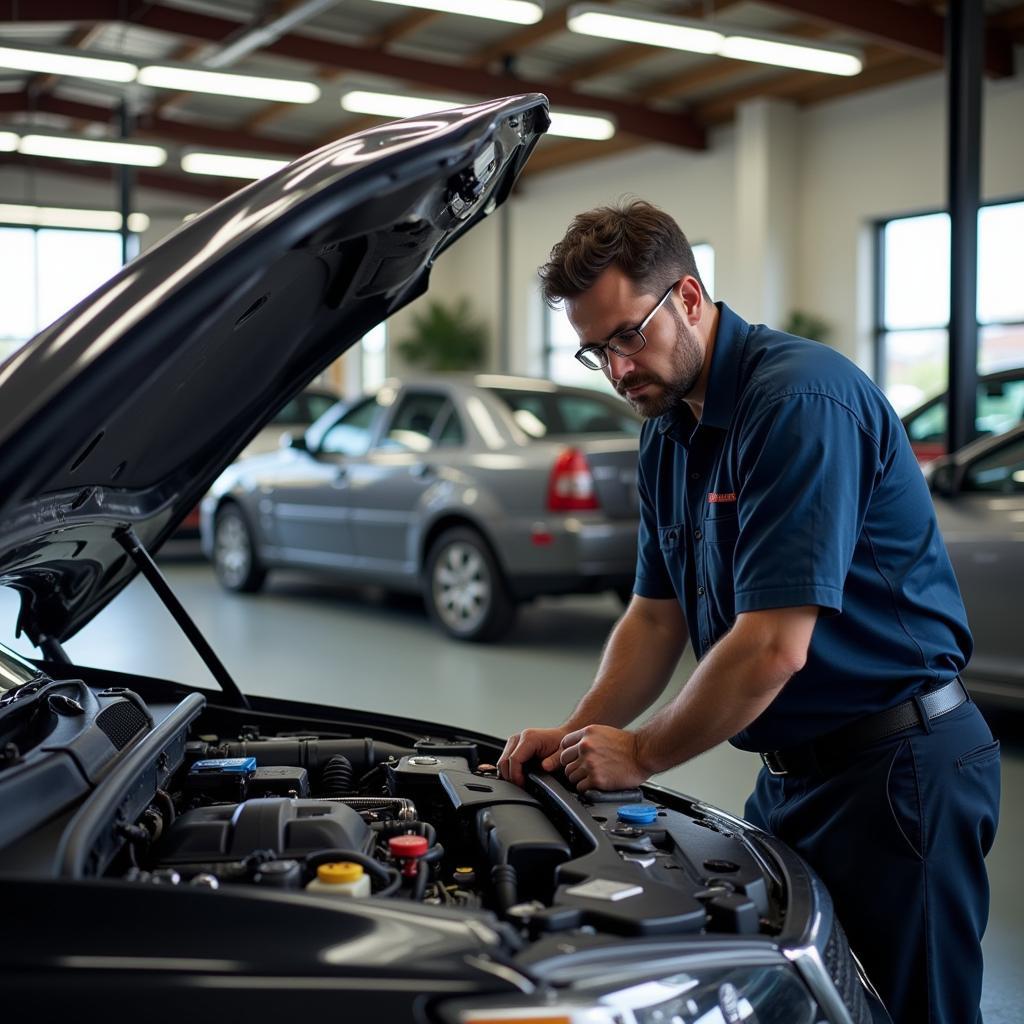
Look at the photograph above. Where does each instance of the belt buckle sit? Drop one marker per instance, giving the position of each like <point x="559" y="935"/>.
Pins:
<point x="772" y="763"/>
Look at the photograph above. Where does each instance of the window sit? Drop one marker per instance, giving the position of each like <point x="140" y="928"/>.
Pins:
<point x="352" y="434"/>
<point x="542" y="413"/>
<point x="561" y="342"/>
<point x="46" y="271"/>
<point x="414" y="421"/>
<point x="913" y="303"/>
<point x="1001" y="471"/>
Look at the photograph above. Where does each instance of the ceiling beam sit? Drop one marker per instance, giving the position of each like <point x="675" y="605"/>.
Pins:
<point x="154" y="127"/>
<point x="550" y="157"/>
<point x="401" y="27"/>
<point x="514" y="43"/>
<point x="915" y="30"/>
<point x="210" y="191"/>
<point x="673" y="129"/>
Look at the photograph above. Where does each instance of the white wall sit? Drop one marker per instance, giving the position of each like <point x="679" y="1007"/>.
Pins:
<point x="857" y="160"/>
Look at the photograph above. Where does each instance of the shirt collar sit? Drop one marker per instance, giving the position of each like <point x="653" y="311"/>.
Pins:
<point x="723" y="381"/>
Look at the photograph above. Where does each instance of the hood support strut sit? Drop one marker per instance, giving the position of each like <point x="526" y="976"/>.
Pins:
<point x="140" y="556"/>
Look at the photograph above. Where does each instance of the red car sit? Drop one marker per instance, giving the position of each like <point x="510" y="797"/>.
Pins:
<point x="1000" y="408"/>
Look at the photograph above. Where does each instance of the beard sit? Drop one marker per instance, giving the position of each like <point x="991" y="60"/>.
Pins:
<point x="665" y="395"/>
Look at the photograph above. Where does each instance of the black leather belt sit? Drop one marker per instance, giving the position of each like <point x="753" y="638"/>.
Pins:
<point x="829" y="752"/>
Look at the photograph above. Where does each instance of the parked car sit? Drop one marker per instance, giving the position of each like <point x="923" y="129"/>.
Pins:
<point x="296" y="414"/>
<point x="1000" y="407"/>
<point x="293" y="417"/>
<point x="157" y="839"/>
<point x="480" y="491"/>
<point x="979" y="497"/>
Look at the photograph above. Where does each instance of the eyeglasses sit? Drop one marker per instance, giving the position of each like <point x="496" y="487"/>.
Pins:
<point x="625" y="343"/>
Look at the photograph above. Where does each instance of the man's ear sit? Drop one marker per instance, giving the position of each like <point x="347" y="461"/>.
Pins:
<point x="691" y="297"/>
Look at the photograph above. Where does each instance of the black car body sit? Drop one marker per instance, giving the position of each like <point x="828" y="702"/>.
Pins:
<point x="156" y="838"/>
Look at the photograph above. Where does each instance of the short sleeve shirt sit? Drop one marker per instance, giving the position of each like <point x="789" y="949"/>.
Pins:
<point x="798" y="487"/>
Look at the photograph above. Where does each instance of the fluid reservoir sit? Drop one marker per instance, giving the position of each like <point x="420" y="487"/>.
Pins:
<point x="340" y="878"/>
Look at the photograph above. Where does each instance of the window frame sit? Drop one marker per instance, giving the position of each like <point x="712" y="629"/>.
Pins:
<point x="880" y="329"/>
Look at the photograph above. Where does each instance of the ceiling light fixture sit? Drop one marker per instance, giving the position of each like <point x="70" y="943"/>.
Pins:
<point x="519" y="12"/>
<point x="630" y="25"/>
<point x="227" y="83"/>
<point x="65" y="217"/>
<point x="63" y="148"/>
<point x="66" y="62"/>
<point x="382" y="104"/>
<point x="8" y="142"/>
<point x="227" y="165"/>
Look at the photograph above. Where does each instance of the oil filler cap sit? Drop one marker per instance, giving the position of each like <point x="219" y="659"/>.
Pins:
<point x="638" y="814"/>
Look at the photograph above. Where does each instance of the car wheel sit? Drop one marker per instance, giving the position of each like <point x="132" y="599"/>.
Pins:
<point x="465" y="591"/>
<point x="234" y="552"/>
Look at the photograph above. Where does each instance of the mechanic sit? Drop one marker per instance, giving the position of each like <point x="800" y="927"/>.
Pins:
<point x="786" y="530"/>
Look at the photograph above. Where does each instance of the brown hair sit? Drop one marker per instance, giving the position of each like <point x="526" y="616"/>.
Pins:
<point x="644" y="242"/>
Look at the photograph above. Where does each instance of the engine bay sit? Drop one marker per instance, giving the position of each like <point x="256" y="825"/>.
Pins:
<point x="433" y="823"/>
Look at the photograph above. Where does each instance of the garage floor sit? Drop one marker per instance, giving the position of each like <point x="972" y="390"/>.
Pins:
<point x="314" y="641"/>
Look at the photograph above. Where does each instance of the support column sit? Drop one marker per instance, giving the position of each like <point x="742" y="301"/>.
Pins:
<point x="767" y="185"/>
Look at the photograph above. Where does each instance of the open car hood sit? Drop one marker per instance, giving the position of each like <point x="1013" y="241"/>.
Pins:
<point x="119" y="415"/>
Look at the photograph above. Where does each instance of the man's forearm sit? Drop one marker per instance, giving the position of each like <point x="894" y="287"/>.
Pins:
<point x="733" y="684"/>
<point x="638" y="661"/>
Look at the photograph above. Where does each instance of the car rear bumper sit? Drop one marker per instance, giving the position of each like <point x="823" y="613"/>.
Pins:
<point x="562" y="554"/>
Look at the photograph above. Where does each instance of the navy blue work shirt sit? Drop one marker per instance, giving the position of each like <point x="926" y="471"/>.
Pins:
<point x="798" y="487"/>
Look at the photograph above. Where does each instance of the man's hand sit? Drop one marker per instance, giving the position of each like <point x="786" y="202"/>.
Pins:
<point x="526" y="745"/>
<point x="602" y="757"/>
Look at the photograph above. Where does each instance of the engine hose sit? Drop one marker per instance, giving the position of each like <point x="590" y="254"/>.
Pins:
<point x="506" y="886"/>
<point x="311" y="754"/>
<point x="386" y="829"/>
<point x="384" y="873"/>
<point x="337" y="777"/>
<point x="405" y="809"/>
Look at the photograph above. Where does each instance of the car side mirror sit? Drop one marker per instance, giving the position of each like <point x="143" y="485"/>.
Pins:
<point x="943" y="480"/>
<point x="295" y="441"/>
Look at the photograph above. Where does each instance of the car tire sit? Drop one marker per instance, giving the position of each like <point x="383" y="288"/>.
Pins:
<point x="464" y="589"/>
<point x="235" y="560"/>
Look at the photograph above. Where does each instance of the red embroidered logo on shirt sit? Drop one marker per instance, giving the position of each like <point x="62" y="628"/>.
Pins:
<point x="714" y="498"/>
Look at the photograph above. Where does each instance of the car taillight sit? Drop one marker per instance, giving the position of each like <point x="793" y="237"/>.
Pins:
<point x="571" y="487"/>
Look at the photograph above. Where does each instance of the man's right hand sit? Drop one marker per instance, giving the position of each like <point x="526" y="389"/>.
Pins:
<point x="525" y="746"/>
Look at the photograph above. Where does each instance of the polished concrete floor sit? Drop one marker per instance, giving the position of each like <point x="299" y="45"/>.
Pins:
<point x="314" y="641"/>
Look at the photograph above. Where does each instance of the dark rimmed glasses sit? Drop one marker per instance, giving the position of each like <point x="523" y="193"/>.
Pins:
<point x="625" y="343"/>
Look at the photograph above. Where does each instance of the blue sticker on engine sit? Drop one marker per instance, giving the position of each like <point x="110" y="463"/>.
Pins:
<point x="225" y="764"/>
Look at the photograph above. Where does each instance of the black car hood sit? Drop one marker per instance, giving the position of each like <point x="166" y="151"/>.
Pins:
<point x="120" y="414"/>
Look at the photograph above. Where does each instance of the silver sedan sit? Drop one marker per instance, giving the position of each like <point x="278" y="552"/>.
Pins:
<point x="477" y="491"/>
<point x="979" y="497"/>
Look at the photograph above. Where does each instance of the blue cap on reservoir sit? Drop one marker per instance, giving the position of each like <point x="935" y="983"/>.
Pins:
<point x="638" y="814"/>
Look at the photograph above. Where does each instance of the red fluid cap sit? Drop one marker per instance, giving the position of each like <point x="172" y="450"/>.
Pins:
<point x="408" y="849"/>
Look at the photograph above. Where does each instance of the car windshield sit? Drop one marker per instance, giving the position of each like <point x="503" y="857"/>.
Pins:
<point x="558" y="413"/>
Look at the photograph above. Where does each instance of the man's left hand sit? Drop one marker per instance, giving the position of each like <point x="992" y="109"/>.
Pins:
<point x="602" y="757"/>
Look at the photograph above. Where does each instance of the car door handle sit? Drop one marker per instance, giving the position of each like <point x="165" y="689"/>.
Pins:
<point x="340" y="476"/>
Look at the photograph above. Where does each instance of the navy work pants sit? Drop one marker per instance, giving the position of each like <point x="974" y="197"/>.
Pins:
<point x="899" y="836"/>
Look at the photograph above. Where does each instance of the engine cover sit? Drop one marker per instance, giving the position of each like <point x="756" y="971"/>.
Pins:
<point x="293" y="828"/>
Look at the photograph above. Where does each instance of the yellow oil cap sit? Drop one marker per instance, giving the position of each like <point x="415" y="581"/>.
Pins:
<point x="339" y="872"/>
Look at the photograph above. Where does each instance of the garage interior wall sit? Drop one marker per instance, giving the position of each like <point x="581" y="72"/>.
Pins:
<point x="787" y="198"/>
<point x="791" y="222"/>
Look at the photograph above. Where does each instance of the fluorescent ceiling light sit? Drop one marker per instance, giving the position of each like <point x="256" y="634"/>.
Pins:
<point x="638" y="27"/>
<point x="226" y="83"/>
<point x="792" y="55"/>
<point x="63" y="217"/>
<point x="519" y="12"/>
<point x="57" y="62"/>
<point x="581" y="126"/>
<point x="382" y="104"/>
<point x="226" y="165"/>
<point x="630" y="25"/>
<point x="131" y="153"/>
<point x="8" y="142"/>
